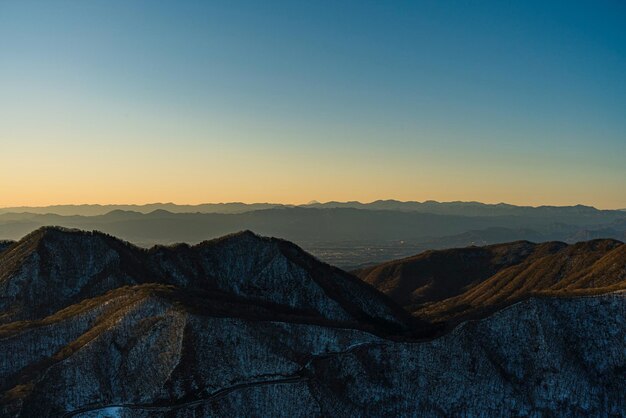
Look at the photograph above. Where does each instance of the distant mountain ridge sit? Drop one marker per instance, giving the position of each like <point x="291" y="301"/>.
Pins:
<point x="95" y="209"/>
<point x="429" y="206"/>
<point x="309" y="224"/>
<point x="346" y="237"/>
<point x="470" y="208"/>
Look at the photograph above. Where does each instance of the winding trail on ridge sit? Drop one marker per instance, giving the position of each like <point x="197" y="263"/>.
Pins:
<point x="297" y="377"/>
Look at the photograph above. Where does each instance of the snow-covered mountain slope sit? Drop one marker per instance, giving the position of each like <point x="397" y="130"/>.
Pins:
<point x="249" y="326"/>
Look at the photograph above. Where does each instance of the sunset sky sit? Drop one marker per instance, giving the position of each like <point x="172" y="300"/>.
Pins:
<point x="288" y="101"/>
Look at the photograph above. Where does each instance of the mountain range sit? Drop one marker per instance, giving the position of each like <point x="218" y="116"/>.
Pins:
<point x="429" y="206"/>
<point x="242" y="325"/>
<point x="347" y="237"/>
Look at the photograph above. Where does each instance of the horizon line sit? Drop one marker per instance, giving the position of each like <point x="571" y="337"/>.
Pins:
<point x="311" y="202"/>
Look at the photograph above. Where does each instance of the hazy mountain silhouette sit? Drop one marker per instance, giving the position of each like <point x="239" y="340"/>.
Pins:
<point x="343" y="236"/>
<point x="93" y="210"/>
<point x="431" y="206"/>
<point x="302" y="224"/>
<point x="466" y="208"/>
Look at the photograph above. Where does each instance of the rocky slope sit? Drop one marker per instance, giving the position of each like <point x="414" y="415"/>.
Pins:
<point x="145" y="353"/>
<point x="53" y="268"/>
<point x="248" y="326"/>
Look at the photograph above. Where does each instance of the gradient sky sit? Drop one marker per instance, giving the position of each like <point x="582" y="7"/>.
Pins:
<point x="287" y="101"/>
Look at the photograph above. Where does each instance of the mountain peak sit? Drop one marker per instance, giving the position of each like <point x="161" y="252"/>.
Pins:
<point x="53" y="267"/>
<point x="245" y="235"/>
<point x="160" y="212"/>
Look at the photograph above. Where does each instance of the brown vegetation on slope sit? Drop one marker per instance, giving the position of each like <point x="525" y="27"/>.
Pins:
<point x="437" y="275"/>
<point x="457" y="284"/>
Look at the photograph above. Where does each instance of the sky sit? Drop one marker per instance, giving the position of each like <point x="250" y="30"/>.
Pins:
<point x="521" y="102"/>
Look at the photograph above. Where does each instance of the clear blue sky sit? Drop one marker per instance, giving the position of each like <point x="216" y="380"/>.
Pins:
<point x="138" y="101"/>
